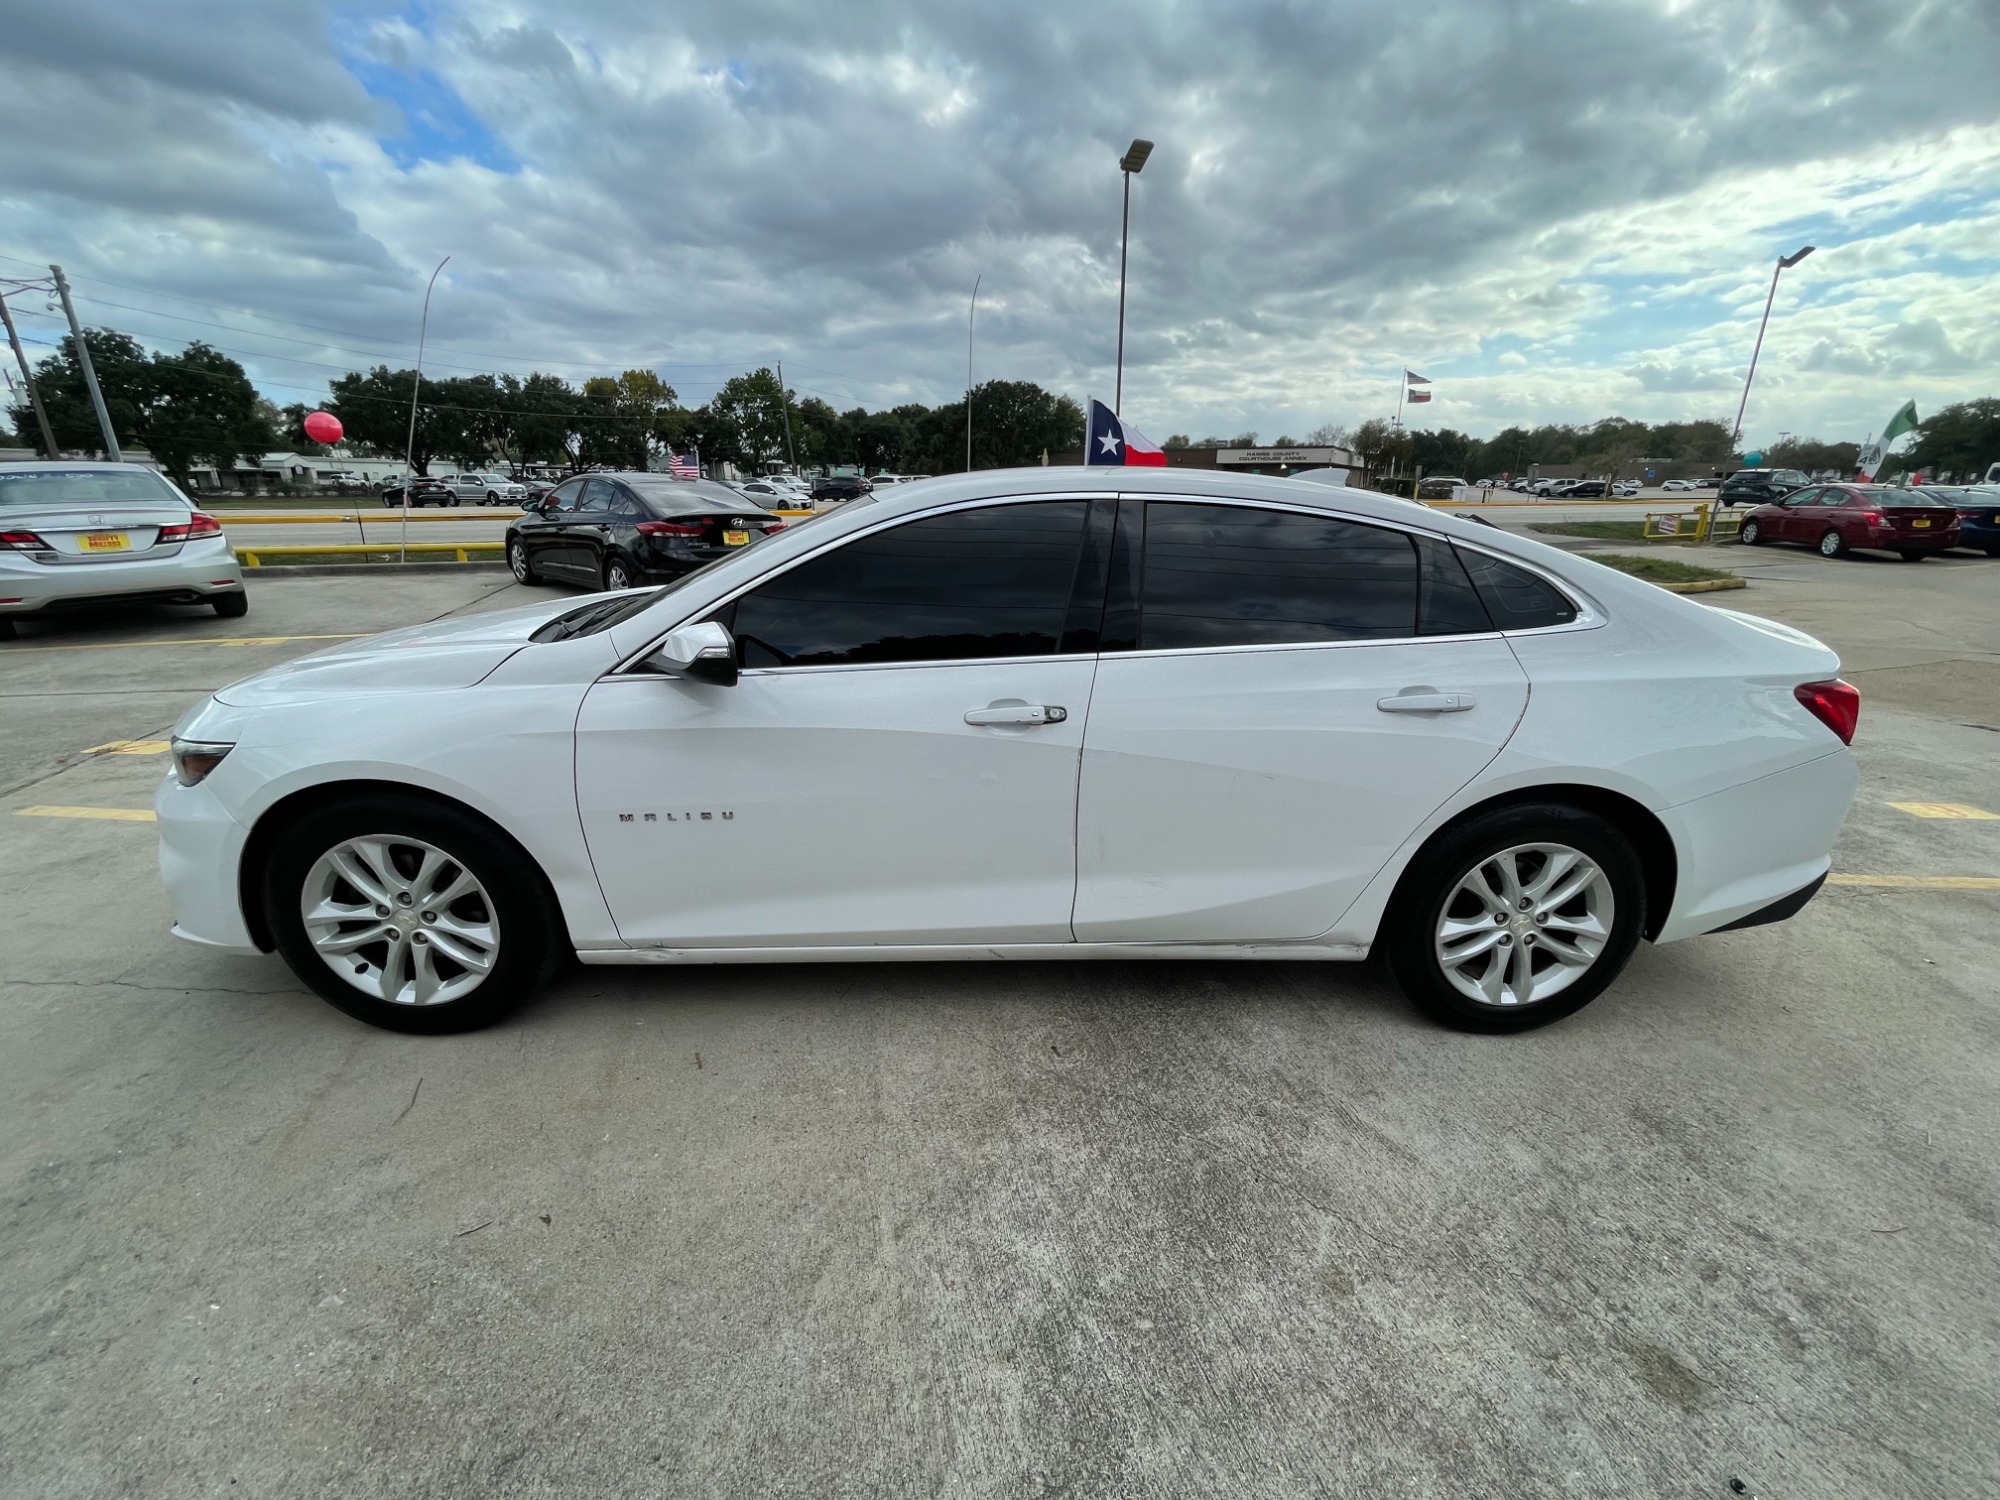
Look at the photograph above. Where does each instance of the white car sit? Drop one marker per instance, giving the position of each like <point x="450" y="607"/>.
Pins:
<point x="1046" y="713"/>
<point x="74" y="536"/>
<point x="1680" y="486"/>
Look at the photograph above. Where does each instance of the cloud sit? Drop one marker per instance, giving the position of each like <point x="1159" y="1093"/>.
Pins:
<point x="1474" y="188"/>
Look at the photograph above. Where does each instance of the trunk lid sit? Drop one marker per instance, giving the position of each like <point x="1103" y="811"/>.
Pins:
<point x="97" y="533"/>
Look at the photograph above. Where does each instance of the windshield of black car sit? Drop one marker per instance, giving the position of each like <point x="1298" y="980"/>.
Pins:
<point x="132" y="486"/>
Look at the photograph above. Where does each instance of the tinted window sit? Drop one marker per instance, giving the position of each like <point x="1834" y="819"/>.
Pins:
<point x="1447" y="603"/>
<point x="563" y="496"/>
<point x="1228" y="575"/>
<point x="597" y="495"/>
<point x="1514" y="597"/>
<point x="968" y="585"/>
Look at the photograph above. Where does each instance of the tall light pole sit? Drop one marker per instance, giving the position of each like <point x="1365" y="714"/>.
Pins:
<point x="970" y="313"/>
<point x="1133" y="161"/>
<point x="1785" y="263"/>
<point x="410" y="444"/>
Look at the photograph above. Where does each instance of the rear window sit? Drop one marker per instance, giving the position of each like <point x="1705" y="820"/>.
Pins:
<point x="1515" y="598"/>
<point x="132" y="486"/>
<point x="1905" y="499"/>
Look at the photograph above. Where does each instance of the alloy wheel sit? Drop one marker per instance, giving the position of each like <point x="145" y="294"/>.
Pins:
<point x="517" y="561"/>
<point x="1525" y="924"/>
<point x="1831" y="545"/>
<point x="615" y="577"/>
<point x="400" y="920"/>
<point x="1751" y="533"/>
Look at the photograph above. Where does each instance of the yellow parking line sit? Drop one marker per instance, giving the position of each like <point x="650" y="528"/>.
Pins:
<point x="1921" y="882"/>
<point x="108" y="814"/>
<point x="1945" y="810"/>
<point x="208" y="640"/>
<point x="131" y="747"/>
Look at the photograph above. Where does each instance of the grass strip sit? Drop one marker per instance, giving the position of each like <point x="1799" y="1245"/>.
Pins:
<point x="1658" y="569"/>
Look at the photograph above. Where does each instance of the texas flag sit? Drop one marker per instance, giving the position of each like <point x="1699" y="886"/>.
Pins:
<point x="1111" y="441"/>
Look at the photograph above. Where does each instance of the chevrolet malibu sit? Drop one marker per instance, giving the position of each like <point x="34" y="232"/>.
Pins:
<point x="77" y="536"/>
<point x="1029" y="715"/>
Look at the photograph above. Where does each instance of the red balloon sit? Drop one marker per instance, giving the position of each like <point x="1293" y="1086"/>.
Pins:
<point x="323" y="427"/>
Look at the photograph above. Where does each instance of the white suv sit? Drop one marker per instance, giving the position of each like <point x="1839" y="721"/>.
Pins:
<point x="485" y="489"/>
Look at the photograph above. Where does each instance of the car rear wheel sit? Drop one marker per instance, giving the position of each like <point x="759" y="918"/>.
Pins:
<point x="1516" y="918"/>
<point x="1833" y="544"/>
<point x="231" y="606"/>
<point x="1912" y="554"/>
<point x="616" y="574"/>
<point x="1752" y="534"/>
<point x="6" y="629"/>
<point x="409" y="915"/>
<point x="517" y="562"/>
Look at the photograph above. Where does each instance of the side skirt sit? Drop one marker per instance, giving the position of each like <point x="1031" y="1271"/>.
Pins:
<point x="956" y="953"/>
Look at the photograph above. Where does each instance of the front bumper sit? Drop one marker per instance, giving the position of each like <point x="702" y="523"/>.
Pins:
<point x="201" y="851"/>
<point x="195" y="573"/>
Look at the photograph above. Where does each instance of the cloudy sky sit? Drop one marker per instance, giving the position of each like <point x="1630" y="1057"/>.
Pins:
<point x="1557" y="209"/>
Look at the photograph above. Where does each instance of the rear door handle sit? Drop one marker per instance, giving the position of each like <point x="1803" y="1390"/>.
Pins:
<point x="1425" y="701"/>
<point x="1017" y="713"/>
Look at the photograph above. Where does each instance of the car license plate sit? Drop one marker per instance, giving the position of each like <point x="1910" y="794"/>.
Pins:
<point x="1920" y="526"/>
<point x="735" y="538"/>
<point x="104" y="541"/>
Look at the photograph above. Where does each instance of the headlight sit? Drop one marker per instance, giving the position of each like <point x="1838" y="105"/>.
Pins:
<point x="194" y="759"/>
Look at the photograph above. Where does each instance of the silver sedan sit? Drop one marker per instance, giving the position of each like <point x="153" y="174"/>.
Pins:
<point x="77" y="535"/>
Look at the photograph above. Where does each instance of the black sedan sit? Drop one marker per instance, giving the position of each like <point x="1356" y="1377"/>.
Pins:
<point x="840" y="487"/>
<point x="423" y="491"/>
<point x="612" y="531"/>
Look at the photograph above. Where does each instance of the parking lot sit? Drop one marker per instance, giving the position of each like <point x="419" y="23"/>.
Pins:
<point x="1061" y="1229"/>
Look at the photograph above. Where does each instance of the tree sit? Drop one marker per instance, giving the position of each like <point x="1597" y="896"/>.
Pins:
<point x="624" y="420"/>
<point x="123" y="374"/>
<point x="1960" y="439"/>
<point x="375" y="410"/>
<point x="744" y="423"/>
<point x="1327" y="435"/>
<point x="200" y="405"/>
<point x="1379" y="443"/>
<point x="1014" y="422"/>
<point x="1812" y="456"/>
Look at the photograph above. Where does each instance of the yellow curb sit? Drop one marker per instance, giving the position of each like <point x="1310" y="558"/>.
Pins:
<point x="1921" y="882"/>
<point x="108" y="814"/>
<point x="1945" y="810"/>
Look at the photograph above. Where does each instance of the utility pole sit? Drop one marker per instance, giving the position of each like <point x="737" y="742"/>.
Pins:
<point x="1134" y="160"/>
<point x="34" y="392"/>
<point x="970" y="313"/>
<point x="89" y="373"/>
<point x="785" y="409"/>
<point x="1785" y="263"/>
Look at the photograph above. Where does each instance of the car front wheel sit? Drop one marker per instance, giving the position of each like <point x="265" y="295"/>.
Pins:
<point x="1752" y="534"/>
<point x="410" y="915"/>
<point x="1832" y="544"/>
<point x="1516" y="918"/>
<point x="518" y="564"/>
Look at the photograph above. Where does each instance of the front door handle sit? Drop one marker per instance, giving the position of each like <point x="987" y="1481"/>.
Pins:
<point x="1028" y="714"/>
<point x="1425" y="701"/>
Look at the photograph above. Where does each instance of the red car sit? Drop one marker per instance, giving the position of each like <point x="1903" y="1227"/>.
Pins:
<point x="1835" y="517"/>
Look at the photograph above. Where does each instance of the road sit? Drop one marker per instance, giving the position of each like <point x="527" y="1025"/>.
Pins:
<point x="988" y="1230"/>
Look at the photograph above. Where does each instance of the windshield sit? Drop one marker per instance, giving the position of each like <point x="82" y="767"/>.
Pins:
<point x="132" y="486"/>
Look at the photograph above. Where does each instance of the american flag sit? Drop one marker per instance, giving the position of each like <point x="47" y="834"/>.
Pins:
<point x="684" y="465"/>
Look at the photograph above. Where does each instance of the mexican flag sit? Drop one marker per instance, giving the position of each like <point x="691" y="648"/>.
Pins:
<point x="1877" y="452"/>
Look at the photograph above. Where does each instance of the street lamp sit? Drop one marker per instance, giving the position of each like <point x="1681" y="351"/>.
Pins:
<point x="410" y="445"/>
<point x="1785" y="263"/>
<point x="1133" y="161"/>
<point x="970" y="313"/>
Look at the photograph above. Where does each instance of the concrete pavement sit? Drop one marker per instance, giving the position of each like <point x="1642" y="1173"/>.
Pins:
<point x="1063" y="1229"/>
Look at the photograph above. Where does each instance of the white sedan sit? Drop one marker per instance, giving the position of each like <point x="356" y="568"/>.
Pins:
<point x="1047" y="713"/>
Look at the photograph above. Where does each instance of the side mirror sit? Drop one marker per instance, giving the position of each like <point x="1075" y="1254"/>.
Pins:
<point x="704" y="652"/>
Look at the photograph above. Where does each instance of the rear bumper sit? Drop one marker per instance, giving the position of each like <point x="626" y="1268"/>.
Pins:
<point x="1752" y="847"/>
<point x="200" y="570"/>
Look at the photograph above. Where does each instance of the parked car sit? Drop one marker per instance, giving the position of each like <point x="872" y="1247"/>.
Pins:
<point x="1042" y="716"/>
<point x="840" y="487"/>
<point x="1584" y="489"/>
<point x="78" y="536"/>
<point x="1680" y="486"/>
<point x="534" y="489"/>
<point x="1625" y="488"/>
<point x="1438" y="486"/>
<point x="423" y="490"/>
<point x="763" y="492"/>
<point x="484" y="489"/>
<point x="1759" y="486"/>
<point x="613" y="531"/>
<point x="1837" y="517"/>
<point x="1519" y="486"/>
<point x="1714" y="481"/>
<point x="1546" y="488"/>
<point x="1978" y="508"/>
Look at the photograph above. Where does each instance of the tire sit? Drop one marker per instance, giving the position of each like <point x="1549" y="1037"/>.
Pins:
<point x="231" y="606"/>
<point x="1520" y="839"/>
<point x="1912" y="554"/>
<point x="1993" y="551"/>
<point x="492" y="498"/>
<point x="6" y="629"/>
<point x="508" y="919"/>
<point x="1752" y="534"/>
<point x="1833" y="544"/>
<point x="617" y="574"/>
<point x="453" y="502"/>
<point x="517" y="561"/>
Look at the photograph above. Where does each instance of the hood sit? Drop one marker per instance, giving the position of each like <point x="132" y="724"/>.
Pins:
<point x="444" y="654"/>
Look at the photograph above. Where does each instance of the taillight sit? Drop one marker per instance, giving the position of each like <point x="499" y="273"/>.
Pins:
<point x="196" y="525"/>
<point x="22" y="541"/>
<point x="771" y="526"/>
<point x="1872" y="517"/>
<point x="1835" y="704"/>
<point x="670" y="528"/>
